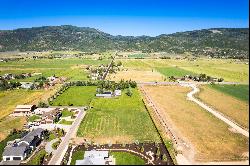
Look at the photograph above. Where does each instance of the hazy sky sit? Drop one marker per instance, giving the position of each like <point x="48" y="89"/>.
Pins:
<point x="126" y="17"/>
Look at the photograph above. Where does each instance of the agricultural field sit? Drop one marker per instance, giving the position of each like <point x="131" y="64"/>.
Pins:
<point x="228" y="69"/>
<point x="7" y="124"/>
<point x="76" y="96"/>
<point x="118" y="120"/>
<point x="240" y="92"/>
<point x="173" y="71"/>
<point x="231" y="100"/>
<point x="137" y="75"/>
<point x="72" y="68"/>
<point x="8" y="101"/>
<point x="211" y="138"/>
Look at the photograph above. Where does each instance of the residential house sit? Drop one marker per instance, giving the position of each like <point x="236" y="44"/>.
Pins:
<point x="23" y="110"/>
<point x="19" y="150"/>
<point x="8" y="76"/>
<point x="95" y="158"/>
<point x="51" y="117"/>
<point x="27" y="85"/>
<point x="15" y="153"/>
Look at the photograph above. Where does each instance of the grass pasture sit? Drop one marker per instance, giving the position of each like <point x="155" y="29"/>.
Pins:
<point x="211" y="138"/>
<point x="77" y="95"/>
<point x="228" y="69"/>
<point x="174" y="71"/>
<point x="221" y="98"/>
<point x="118" y="120"/>
<point x="72" y="68"/>
<point x="240" y="92"/>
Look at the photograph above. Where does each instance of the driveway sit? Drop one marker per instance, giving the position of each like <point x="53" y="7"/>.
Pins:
<point x="48" y="146"/>
<point x="61" y="150"/>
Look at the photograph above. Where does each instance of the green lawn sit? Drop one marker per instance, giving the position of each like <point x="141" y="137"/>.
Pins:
<point x="66" y="113"/>
<point x="123" y="158"/>
<point x="77" y="95"/>
<point x="51" y="136"/>
<point x="122" y="119"/>
<point x="33" y="118"/>
<point x="78" y="155"/>
<point x="173" y="71"/>
<point x="36" y="159"/>
<point x="56" y="144"/>
<point x="65" y="122"/>
<point x="238" y="91"/>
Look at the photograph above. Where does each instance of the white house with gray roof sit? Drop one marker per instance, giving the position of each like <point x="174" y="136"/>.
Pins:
<point x="19" y="150"/>
<point x="94" y="157"/>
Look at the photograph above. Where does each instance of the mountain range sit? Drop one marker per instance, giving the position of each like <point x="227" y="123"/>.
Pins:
<point x="232" y="42"/>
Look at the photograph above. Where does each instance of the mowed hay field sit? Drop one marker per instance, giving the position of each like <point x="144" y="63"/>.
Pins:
<point x="228" y="69"/>
<point x="236" y="108"/>
<point x="7" y="124"/>
<point x="211" y="138"/>
<point x="118" y="120"/>
<point x="137" y="75"/>
<point x="76" y="95"/>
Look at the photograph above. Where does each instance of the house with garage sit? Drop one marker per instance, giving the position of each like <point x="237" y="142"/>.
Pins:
<point x="23" y="110"/>
<point x="19" y="150"/>
<point x="94" y="157"/>
<point x="15" y="153"/>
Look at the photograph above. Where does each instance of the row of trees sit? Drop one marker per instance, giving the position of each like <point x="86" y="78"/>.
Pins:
<point x="4" y="84"/>
<point x="112" y="85"/>
<point x="199" y="78"/>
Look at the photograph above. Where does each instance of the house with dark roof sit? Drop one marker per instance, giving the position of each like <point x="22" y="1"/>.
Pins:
<point x="19" y="150"/>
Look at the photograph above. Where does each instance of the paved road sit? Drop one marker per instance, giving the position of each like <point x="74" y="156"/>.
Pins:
<point x="106" y="73"/>
<point x="214" y="112"/>
<point x="180" y="82"/>
<point x="61" y="150"/>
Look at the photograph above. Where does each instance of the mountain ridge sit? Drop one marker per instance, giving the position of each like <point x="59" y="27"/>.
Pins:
<point x="210" y="42"/>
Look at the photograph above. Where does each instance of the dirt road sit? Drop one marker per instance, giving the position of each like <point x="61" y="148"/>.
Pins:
<point x="214" y="112"/>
